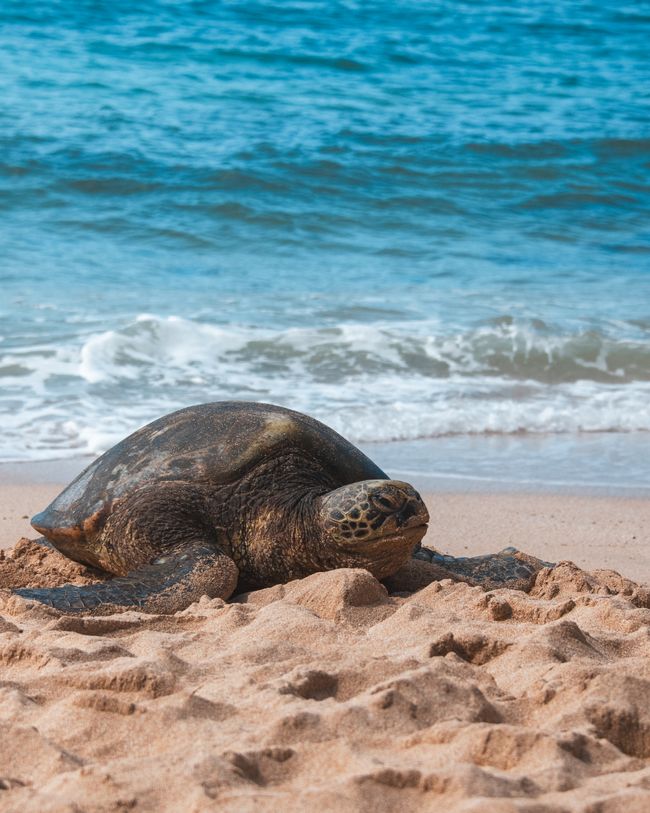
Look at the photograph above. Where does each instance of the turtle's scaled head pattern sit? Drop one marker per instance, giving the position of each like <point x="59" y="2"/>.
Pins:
<point x="374" y="523"/>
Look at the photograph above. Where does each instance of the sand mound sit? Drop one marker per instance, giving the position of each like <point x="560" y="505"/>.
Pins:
<point x="32" y="563"/>
<point x="330" y="693"/>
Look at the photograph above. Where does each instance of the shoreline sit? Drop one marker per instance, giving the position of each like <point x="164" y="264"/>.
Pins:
<point x="584" y="464"/>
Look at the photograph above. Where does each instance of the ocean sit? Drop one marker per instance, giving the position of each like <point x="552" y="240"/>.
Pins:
<point x="422" y="223"/>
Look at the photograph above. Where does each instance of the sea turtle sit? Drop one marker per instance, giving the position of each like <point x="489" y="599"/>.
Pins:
<point x="222" y="495"/>
<point x="231" y="495"/>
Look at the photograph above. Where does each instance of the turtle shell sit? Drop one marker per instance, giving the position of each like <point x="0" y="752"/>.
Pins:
<point x="213" y="444"/>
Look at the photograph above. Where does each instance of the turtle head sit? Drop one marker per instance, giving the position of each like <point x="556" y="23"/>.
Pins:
<point x="374" y="524"/>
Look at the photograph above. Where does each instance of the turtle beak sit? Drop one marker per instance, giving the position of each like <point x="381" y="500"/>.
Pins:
<point x="396" y="506"/>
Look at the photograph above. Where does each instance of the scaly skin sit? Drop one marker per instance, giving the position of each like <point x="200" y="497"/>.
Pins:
<point x="508" y="567"/>
<point x="171" y="542"/>
<point x="168" y="584"/>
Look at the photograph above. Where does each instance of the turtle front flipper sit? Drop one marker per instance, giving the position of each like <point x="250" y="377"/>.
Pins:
<point x="171" y="582"/>
<point x="507" y="568"/>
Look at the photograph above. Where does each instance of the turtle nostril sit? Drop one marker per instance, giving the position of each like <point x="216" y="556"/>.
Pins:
<point x="408" y="511"/>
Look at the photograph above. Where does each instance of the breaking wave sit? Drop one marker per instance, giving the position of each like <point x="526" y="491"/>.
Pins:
<point x="372" y="382"/>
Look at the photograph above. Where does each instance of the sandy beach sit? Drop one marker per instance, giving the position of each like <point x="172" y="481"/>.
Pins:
<point x="235" y="235"/>
<point x="337" y="692"/>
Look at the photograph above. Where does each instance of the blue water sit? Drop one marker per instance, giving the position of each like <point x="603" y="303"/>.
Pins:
<point x="409" y="219"/>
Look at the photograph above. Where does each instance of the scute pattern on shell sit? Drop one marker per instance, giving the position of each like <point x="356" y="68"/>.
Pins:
<point x="213" y="444"/>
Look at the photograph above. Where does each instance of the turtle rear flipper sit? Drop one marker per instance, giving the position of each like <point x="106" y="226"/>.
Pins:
<point x="507" y="568"/>
<point x="171" y="582"/>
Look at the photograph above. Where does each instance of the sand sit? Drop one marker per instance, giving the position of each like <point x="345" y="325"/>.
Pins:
<point x="336" y="692"/>
<point x="592" y="531"/>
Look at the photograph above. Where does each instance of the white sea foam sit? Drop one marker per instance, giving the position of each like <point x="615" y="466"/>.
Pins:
<point x="370" y="382"/>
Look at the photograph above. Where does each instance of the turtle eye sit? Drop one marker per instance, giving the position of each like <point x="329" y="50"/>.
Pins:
<point x="383" y="501"/>
<point x="387" y="501"/>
